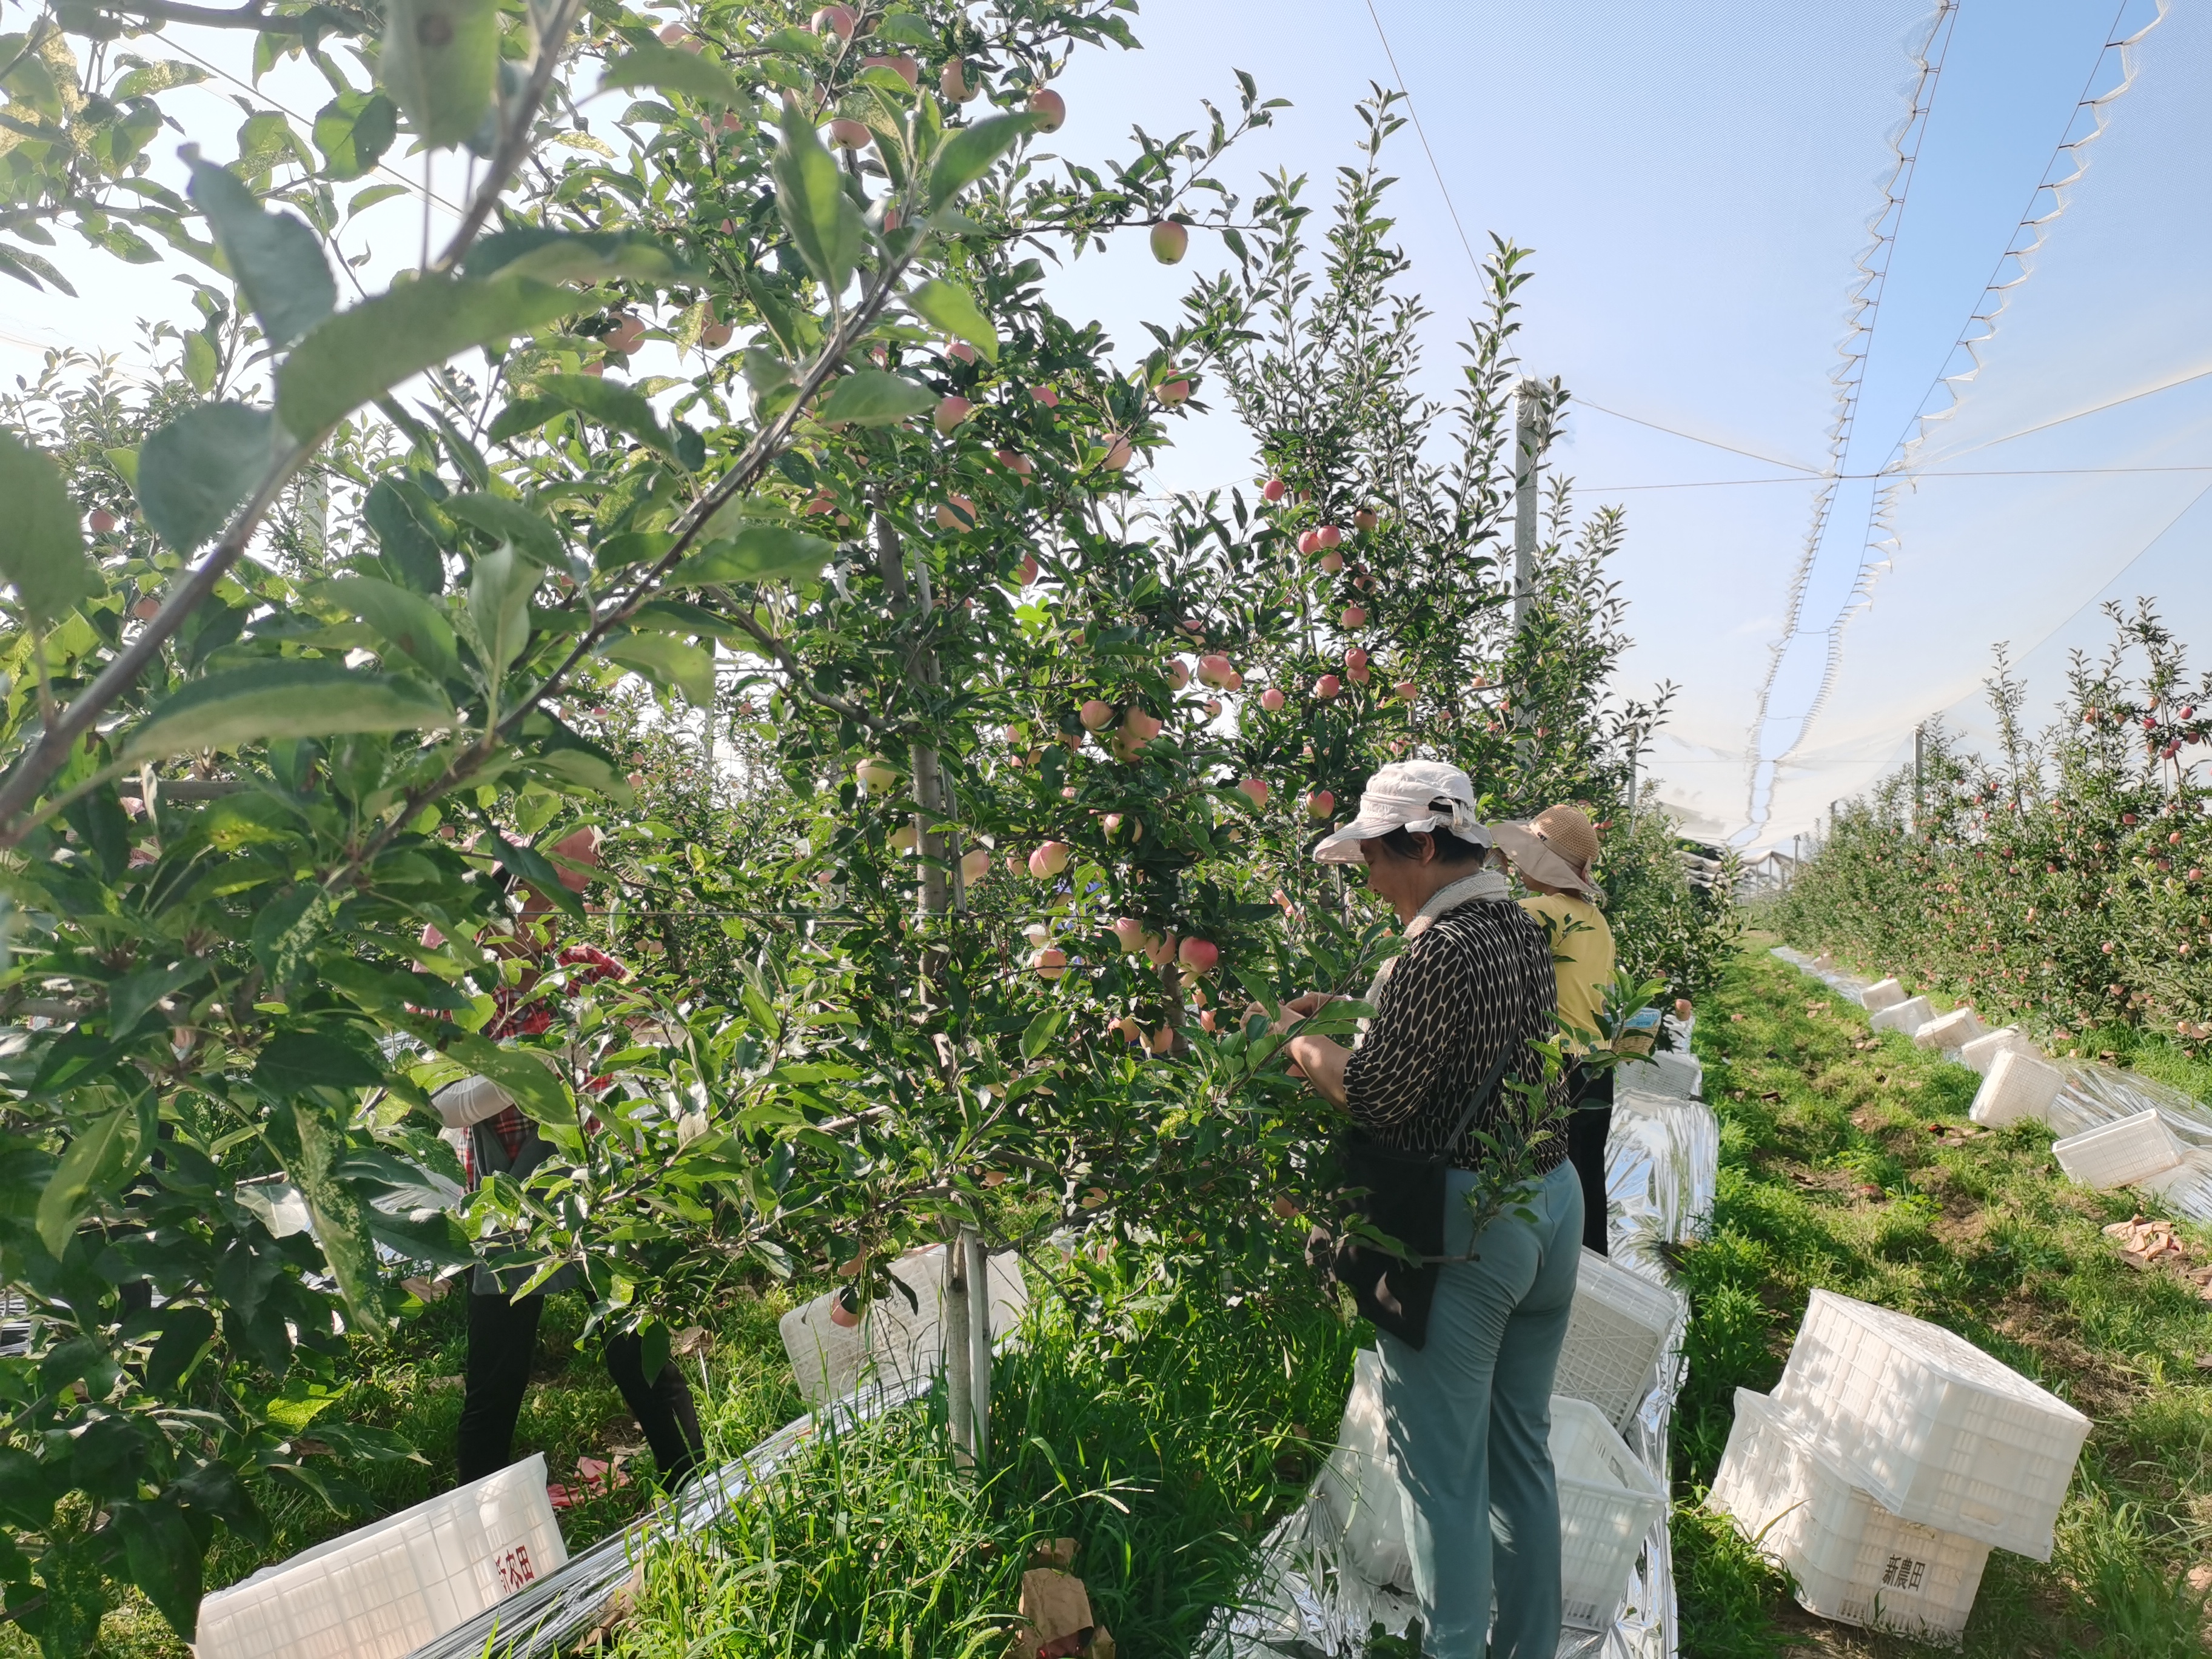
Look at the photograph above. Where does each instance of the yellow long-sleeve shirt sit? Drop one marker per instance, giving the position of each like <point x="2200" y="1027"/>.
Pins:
<point x="1582" y="956"/>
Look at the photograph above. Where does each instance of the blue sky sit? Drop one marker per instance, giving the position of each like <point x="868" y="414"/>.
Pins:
<point x="1700" y="184"/>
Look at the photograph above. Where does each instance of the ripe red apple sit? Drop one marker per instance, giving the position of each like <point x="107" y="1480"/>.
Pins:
<point x="147" y="609"/>
<point x="905" y="839"/>
<point x="849" y="134"/>
<point x="1332" y="563"/>
<point x="1255" y="790"/>
<point x="1274" y="491"/>
<point x="1197" y="955"/>
<point x="628" y="334"/>
<point x="1051" y="962"/>
<point x="1014" y="863"/>
<point x="819" y="503"/>
<point x="1213" y="668"/>
<point x="1178" y="673"/>
<point x="1129" y="932"/>
<point x="1050" y="860"/>
<point x="1206" y="1022"/>
<point x="1174" y="392"/>
<point x="1328" y="686"/>
<point x="1355" y="658"/>
<point x="840" y="1315"/>
<point x="1273" y="700"/>
<point x="975" y="865"/>
<point x="899" y="64"/>
<point x="875" y="774"/>
<point x="834" y="19"/>
<point x="1026" y="571"/>
<point x="1365" y="518"/>
<point x="1162" y="1042"/>
<point x="1407" y="690"/>
<point x="676" y="35"/>
<point x="1320" y="804"/>
<point x="1118" y="455"/>
<point x="1050" y="109"/>
<point x="1327" y="536"/>
<point x="1139" y="727"/>
<point x="1355" y="615"/>
<point x="1096" y="715"/>
<point x="102" y="521"/>
<point x="1308" y="541"/>
<point x="955" y="513"/>
<point x="1170" y="241"/>
<point x="1016" y="734"/>
<point x="951" y="410"/>
<point x="960" y="351"/>
<point x="952" y="81"/>
<point x="1045" y="395"/>
<point x="716" y="336"/>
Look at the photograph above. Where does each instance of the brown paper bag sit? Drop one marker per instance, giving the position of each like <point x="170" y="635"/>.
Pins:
<point x="1056" y="1610"/>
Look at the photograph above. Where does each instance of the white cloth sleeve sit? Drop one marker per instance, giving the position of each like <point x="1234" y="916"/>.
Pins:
<point x="469" y="1101"/>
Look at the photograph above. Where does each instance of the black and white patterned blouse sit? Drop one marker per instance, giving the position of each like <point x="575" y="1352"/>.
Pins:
<point x="1478" y="978"/>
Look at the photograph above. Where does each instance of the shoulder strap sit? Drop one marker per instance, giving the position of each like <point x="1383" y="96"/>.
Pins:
<point x="1481" y="1096"/>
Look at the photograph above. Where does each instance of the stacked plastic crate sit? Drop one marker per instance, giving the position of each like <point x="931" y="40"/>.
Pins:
<point x="1890" y="1460"/>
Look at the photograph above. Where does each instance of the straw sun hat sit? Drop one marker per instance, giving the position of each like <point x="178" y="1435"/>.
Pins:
<point x="1557" y="848"/>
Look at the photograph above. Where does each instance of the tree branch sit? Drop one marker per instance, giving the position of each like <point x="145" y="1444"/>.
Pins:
<point x="33" y="772"/>
<point x="314" y="21"/>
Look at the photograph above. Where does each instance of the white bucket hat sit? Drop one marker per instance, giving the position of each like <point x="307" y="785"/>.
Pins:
<point x="1426" y="797"/>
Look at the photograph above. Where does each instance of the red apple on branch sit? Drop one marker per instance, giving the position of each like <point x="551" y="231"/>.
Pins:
<point x="1096" y="715"/>
<point x="951" y="410"/>
<point x="834" y="19"/>
<point x="1050" y="860"/>
<point x="1320" y="804"/>
<point x="952" y="81"/>
<point x="1050" y="109"/>
<point x="1197" y="955"/>
<point x="1255" y="790"/>
<point x="1328" y="686"/>
<point x="1274" y="491"/>
<point x="1273" y="700"/>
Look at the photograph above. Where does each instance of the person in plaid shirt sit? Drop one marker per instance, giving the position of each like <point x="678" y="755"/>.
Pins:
<point x="501" y="1140"/>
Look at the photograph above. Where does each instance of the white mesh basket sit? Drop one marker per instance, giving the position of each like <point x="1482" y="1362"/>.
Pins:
<point x="1908" y="1016"/>
<point x="383" y="1591"/>
<point x="1882" y="994"/>
<point x="1620" y="1329"/>
<point x="896" y="1341"/>
<point x="2119" y="1154"/>
<point x="1853" y="1561"/>
<point x="1609" y="1502"/>
<point x="1982" y="1053"/>
<point x="1936" y="1429"/>
<point x="2019" y="1089"/>
<point x="1953" y="1030"/>
<point x="1676" y="1076"/>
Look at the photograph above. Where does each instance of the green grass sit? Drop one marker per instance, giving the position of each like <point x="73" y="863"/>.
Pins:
<point x="1983" y="1238"/>
<point x="1161" y="1425"/>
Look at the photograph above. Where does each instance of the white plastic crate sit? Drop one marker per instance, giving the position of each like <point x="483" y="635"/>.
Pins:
<point x="1608" y="1503"/>
<point x="2019" y="1089"/>
<point x="1852" y="1559"/>
<point x="1619" y="1330"/>
<point x="1676" y="1076"/>
<point x="1982" y="1053"/>
<point x="1908" y="1016"/>
<point x="898" y="1341"/>
<point x="1882" y="994"/>
<point x="1357" y="1495"/>
<point x="1936" y="1429"/>
<point x="1953" y="1030"/>
<point x="2119" y="1154"/>
<point x="385" y="1590"/>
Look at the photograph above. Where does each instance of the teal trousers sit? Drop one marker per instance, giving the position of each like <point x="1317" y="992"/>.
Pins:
<point x="1470" y="1423"/>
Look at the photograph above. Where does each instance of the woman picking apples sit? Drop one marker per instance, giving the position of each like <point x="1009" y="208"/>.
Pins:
<point x="1552" y="854"/>
<point x="1470" y="1331"/>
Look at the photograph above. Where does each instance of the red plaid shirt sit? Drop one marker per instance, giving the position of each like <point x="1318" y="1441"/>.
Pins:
<point x="519" y="1015"/>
